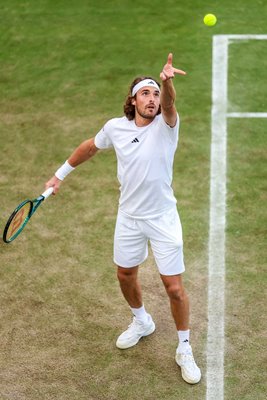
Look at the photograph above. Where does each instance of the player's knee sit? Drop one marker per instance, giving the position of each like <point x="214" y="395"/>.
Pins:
<point x="176" y="292"/>
<point x="126" y="274"/>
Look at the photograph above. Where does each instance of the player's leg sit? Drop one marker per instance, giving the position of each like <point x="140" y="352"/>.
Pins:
<point x="166" y="240"/>
<point x="179" y="301"/>
<point x="130" y="286"/>
<point x="142" y="324"/>
<point x="180" y="311"/>
<point x="130" y="250"/>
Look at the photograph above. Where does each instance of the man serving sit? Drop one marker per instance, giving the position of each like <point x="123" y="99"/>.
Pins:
<point x="145" y="141"/>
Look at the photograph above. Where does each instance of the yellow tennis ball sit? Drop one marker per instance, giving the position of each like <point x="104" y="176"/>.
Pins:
<point x="210" y="19"/>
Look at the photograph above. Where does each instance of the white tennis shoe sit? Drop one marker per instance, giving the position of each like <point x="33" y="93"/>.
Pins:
<point x="190" y="371"/>
<point x="136" y="330"/>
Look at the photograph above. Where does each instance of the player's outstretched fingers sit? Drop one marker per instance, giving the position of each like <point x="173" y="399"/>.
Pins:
<point x="179" y="71"/>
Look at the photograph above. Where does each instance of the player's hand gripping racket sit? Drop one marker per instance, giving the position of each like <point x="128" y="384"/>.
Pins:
<point x="21" y="215"/>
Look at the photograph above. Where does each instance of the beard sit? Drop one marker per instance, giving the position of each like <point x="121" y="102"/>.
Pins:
<point x="147" y="114"/>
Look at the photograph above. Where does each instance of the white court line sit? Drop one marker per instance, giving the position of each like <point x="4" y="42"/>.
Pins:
<point x="246" y="115"/>
<point x="215" y="335"/>
<point x="243" y="37"/>
<point x="216" y="273"/>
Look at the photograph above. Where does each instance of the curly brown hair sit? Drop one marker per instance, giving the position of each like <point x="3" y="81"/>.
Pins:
<point x="129" y="108"/>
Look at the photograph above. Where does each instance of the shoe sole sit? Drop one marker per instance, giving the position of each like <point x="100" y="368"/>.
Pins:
<point x="124" y="346"/>
<point x="188" y="380"/>
<point x="185" y="377"/>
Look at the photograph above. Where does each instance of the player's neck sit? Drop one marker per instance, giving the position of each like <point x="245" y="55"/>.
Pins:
<point x="141" y="121"/>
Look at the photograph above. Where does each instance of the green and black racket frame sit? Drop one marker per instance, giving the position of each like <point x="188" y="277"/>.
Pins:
<point x="21" y="216"/>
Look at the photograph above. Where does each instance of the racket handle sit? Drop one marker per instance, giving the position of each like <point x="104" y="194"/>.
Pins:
<point x="48" y="192"/>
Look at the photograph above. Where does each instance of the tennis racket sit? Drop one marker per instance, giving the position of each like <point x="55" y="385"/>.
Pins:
<point x="21" y="216"/>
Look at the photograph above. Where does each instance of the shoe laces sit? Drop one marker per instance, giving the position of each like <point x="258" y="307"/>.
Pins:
<point x="188" y="360"/>
<point x="188" y="357"/>
<point x="135" y="324"/>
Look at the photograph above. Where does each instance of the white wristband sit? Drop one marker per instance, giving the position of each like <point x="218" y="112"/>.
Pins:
<point x="64" y="170"/>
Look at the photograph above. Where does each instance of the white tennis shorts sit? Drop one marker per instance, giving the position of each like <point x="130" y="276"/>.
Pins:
<point x="165" y="235"/>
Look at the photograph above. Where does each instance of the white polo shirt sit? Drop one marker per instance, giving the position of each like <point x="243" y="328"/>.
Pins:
<point x="145" y="163"/>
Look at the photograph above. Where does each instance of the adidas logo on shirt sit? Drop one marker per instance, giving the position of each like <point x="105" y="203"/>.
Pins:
<point x="135" y="140"/>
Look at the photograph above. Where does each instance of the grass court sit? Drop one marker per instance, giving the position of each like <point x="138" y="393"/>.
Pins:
<point x="65" y="70"/>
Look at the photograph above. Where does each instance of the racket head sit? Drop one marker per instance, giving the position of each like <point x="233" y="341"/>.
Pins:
<point x="17" y="221"/>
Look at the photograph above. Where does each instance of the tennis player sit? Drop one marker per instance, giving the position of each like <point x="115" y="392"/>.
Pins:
<point x="145" y="141"/>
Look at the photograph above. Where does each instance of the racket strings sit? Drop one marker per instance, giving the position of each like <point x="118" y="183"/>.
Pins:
<point x="18" y="220"/>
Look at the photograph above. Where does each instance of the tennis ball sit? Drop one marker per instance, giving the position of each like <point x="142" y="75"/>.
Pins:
<point x="210" y="19"/>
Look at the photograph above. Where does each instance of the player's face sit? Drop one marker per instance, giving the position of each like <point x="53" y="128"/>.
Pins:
<point x="147" y="102"/>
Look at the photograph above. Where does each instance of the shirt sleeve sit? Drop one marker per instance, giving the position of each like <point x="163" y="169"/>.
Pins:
<point x="102" y="138"/>
<point x="173" y="132"/>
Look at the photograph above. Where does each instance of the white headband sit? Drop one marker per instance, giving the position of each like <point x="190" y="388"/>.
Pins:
<point x="143" y="83"/>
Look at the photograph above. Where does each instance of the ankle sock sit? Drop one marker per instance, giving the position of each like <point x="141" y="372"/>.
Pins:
<point x="140" y="313"/>
<point x="184" y="343"/>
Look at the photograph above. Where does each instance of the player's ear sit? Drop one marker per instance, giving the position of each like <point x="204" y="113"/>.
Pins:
<point x="133" y="101"/>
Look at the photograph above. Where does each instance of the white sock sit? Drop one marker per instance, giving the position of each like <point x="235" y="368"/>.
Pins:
<point x="184" y="343"/>
<point x="140" y="313"/>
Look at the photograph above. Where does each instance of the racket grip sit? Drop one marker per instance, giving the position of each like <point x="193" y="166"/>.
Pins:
<point x="48" y="192"/>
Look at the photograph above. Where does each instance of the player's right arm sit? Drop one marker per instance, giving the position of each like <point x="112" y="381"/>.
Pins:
<point x="83" y="152"/>
<point x="168" y="94"/>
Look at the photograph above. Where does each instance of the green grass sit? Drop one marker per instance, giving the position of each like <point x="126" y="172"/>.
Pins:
<point x="244" y="60"/>
<point x="65" y="68"/>
<point x="246" y="258"/>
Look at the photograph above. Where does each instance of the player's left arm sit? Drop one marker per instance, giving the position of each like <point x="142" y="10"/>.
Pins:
<point x="168" y="93"/>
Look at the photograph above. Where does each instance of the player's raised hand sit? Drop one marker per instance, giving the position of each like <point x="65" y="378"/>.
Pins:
<point x="169" y="71"/>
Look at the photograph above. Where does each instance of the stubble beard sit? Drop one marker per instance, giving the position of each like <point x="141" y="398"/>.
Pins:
<point x="146" y="115"/>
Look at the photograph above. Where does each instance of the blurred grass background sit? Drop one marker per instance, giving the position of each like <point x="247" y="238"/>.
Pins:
<point x="65" y="69"/>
